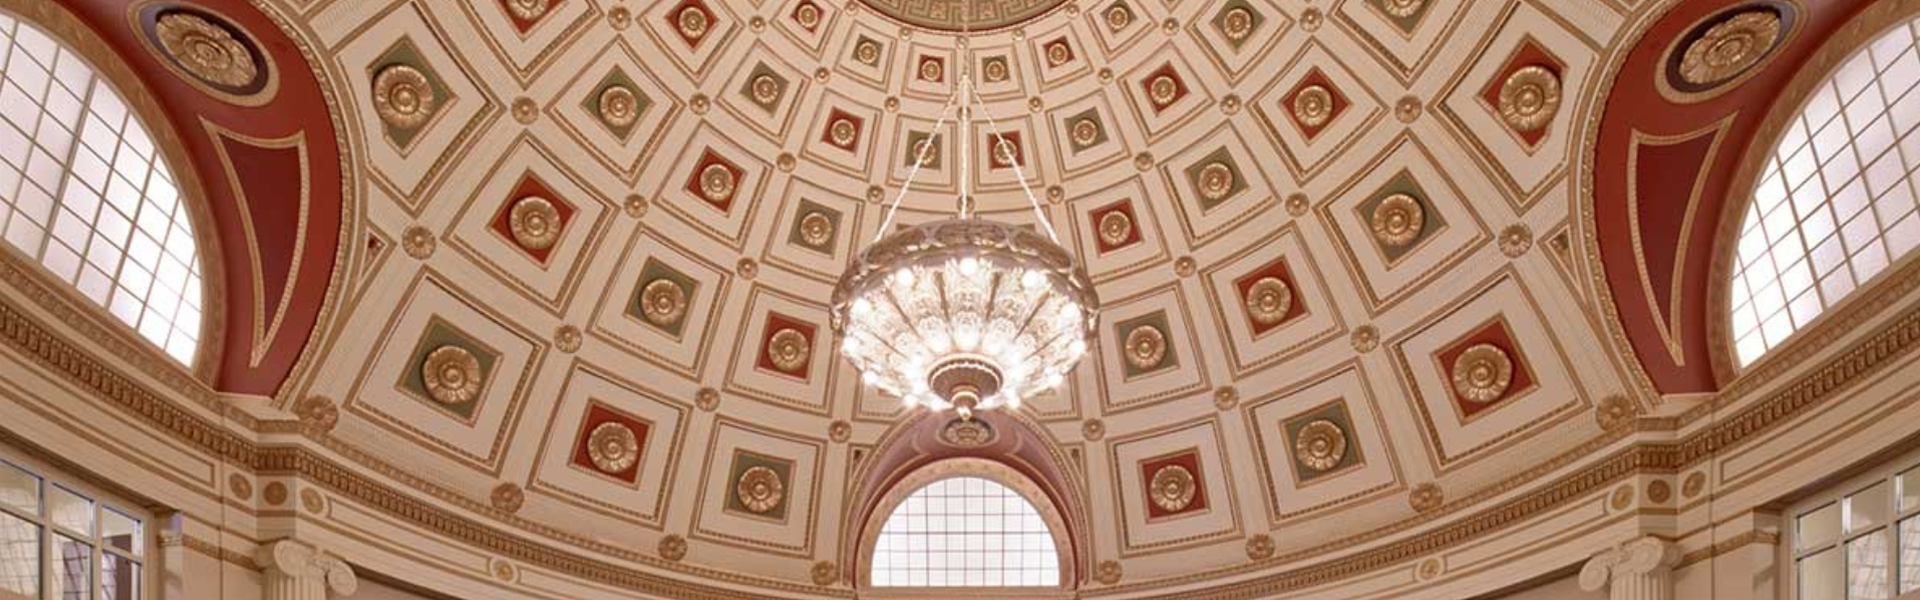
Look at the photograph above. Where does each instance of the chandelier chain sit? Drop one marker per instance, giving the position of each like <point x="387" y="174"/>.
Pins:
<point x="1019" y="173"/>
<point x="919" y="160"/>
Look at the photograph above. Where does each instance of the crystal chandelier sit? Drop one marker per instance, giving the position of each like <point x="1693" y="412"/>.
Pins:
<point x="965" y="313"/>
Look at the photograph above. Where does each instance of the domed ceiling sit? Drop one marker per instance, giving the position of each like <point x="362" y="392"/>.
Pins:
<point x="1332" y="239"/>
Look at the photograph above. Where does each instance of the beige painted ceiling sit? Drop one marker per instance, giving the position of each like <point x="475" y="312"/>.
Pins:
<point x="1369" y="344"/>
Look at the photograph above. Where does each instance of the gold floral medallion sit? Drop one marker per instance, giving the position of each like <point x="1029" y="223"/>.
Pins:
<point x="716" y="182"/>
<point x="663" y="302"/>
<point x="1426" y="497"/>
<point x="613" y="447"/>
<point x="1085" y="132"/>
<point x="1216" y="181"/>
<point x="451" y="374"/>
<point x="1058" y="54"/>
<point x="1398" y="220"/>
<point x="1118" y="16"/>
<point x="1402" y="9"/>
<point x="1163" y="90"/>
<point x="693" y="22"/>
<point x="1237" y="24"/>
<point x="1320" y="445"/>
<point x="1482" y="373"/>
<point x="1516" y="240"/>
<point x="619" y="106"/>
<point x="807" y="15"/>
<point x="529" y="10"/>
<point x="842" y="132"/>
<point x="760" y="489"/>
<point x="418" y="242"/>
<point x="1115" y="228"/>
<point x="925" y="150"/>
<point x="1365" y="339"/>
<point x="535" y="223"/>
<point x="816" y="229"/>
<point x="1146" y="347"/>
<point x="1529" y="98"/>
<point x="1172" y="488"/>
<point x="525" y="111"/>
<point x="766" y="89"/>
<point x="995" y="70"/>
<point x="1093" y="429"/>
<point x="403" y="97"/>
<point x="1313" y="106"/>
<point x="1260" y="547"/>
<point x="507" y="497"/>
<point x="1730" y="48"/>
<point x="825" y="573"/>
<point x="867" y="52"/>
<point x="206" y="50"/>
<point x="1269" y="300"/>
<point x="788" y="350"/>
<point x="672" y="548"/>
<point x="930" y="70"/>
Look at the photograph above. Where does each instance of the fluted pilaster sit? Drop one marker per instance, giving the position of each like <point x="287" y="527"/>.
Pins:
<point x="1641" y="569"/>
<point x="296" y="571"/>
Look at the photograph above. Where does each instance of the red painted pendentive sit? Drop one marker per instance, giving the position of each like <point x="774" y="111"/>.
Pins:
<point x="1635" y="105"/>
<point x="271" y="182"/>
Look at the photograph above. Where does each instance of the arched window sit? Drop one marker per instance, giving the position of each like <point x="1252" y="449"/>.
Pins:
<point x="84" y="192"/>
<point x="966" y="531"/>
<point x="1835" y="203"/>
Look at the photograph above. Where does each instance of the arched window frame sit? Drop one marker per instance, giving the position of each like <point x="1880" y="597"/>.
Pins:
<point x="113" y="71"/>
<point x="952" y="468"/>
<point x="1901" y="273"/>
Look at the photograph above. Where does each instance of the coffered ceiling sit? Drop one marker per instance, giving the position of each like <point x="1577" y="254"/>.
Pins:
<point x="1334" y="240"/>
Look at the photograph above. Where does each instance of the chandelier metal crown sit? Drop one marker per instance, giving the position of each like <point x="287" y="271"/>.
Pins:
<point x="965" y="313"/>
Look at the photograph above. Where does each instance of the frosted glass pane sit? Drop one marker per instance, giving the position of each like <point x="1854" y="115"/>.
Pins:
<point x="1861" y="114"/>
<point x="1819" y="528"/>
<point x="1867" y="568"/>
<point x="19" y="556"/>
<point x="72" y="569"/>
<point x="1820" y="576"/>
<point x="69" y="510"/>
<point x="1910" y="555"/>
<point x="1869" y="508"/>
<point x="965" y="532"/>
<point x="19" y="489"/>
<point x="62" y="131"/>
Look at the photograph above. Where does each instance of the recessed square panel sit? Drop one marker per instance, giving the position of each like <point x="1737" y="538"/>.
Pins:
<point x="761" y="490"/>
<point x="1487" y="374"/>
<point x="448" y="370"/>
<point x="584" y="462"/>
<point x="1322" y="444"/>
<point x="1170" y="488"/>
<point x="1486" y="369"/>
<point x="760" y="485"/>
<point x="1272" y="302"/>
<point x="1174" y="484"/>
<point x="444" y="375"/>
<point x="610" y="443"/>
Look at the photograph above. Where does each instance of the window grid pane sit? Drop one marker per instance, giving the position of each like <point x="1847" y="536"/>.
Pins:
<point x="77" y="186"/>
<point x="965" y="532"/>
<point x="19" y="556"/>
<point x="1848" y="163"/>
<point x="1910" y="555"/>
